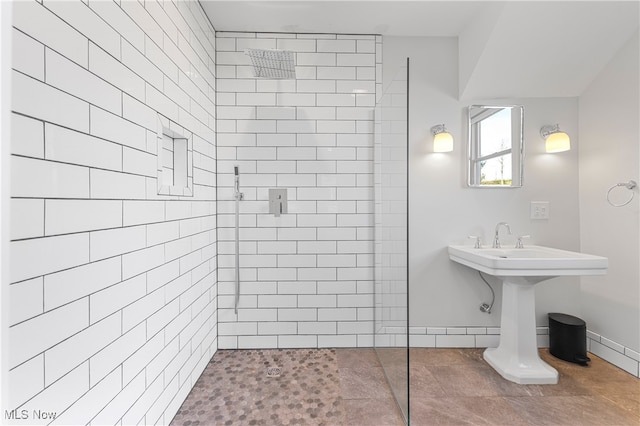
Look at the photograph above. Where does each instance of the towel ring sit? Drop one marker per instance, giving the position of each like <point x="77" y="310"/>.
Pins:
<point x="631" y="185"/>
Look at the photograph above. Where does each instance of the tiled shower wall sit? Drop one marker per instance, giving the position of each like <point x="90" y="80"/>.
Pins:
<point x="113" y="287"/>
<point x="391" y="215"/>
<point x="306" y="277"/>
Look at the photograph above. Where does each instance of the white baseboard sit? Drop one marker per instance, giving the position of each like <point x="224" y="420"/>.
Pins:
<point x="464" y="337"/>
<point x="487" y="337"/>
<point x="614" y="353"/>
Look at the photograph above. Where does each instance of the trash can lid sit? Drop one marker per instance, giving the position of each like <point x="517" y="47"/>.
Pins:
<point x="566" y="319"/>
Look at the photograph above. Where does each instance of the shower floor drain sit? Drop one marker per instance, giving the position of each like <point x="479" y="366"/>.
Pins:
<point x="274" y="371"/>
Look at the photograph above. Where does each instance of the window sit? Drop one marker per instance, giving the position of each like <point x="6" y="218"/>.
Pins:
<point x="495" y="146"/>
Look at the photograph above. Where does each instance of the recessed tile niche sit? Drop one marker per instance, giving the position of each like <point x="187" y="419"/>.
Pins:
<point x="175" y="159"/>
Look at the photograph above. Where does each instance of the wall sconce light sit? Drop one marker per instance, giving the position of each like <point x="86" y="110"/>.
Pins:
<point x="556" y="140"/>
<point x="442" y="140"/>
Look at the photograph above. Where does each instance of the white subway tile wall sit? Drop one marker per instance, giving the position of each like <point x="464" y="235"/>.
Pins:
<point x="113" y="293"/>
<point x="306" y="276"/>
<point x="391" y="208"/>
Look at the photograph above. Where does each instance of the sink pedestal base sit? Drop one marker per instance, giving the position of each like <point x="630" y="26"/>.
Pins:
<point x="516" y="357"/>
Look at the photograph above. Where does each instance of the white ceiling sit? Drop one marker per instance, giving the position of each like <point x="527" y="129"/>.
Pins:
<point x="398" y="18"/>
<point x="547" y="49"/>
<point x="507" y="49"/>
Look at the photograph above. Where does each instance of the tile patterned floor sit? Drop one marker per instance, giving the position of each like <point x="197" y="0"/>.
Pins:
<point x="449" y="387"/>
<point x="457" y="387"/>
<point x="235" y="389"/>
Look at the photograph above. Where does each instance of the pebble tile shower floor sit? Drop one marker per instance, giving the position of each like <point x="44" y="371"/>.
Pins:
<point x="449" y="387"/>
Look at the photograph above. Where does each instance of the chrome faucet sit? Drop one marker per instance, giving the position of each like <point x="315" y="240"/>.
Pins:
<point x="496" y="239"/>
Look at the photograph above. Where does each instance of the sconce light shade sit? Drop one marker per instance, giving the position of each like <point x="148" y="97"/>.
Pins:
<point x="442" y="140"/>
<point x="556" y="140"/>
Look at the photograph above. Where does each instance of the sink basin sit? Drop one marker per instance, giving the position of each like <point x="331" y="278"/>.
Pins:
<point x="529" y="261"/>
<point x="516" y="357"/>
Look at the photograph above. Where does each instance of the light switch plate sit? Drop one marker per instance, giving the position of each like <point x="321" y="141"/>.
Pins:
<point x="539" y="210"/>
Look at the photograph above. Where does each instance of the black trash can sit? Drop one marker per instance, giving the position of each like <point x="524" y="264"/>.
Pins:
<point x="568" y="338"/>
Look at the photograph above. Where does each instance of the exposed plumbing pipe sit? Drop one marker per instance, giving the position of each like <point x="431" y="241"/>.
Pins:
<point x="486" y="307"/>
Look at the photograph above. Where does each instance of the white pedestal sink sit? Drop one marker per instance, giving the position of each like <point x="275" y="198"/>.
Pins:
<point x="516" y="357"/>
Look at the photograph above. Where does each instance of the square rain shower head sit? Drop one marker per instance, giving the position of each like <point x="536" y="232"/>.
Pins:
<point x="275" y="64"/>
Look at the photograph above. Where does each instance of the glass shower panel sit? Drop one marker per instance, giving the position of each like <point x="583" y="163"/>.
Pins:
<point x="391" y="313"/>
